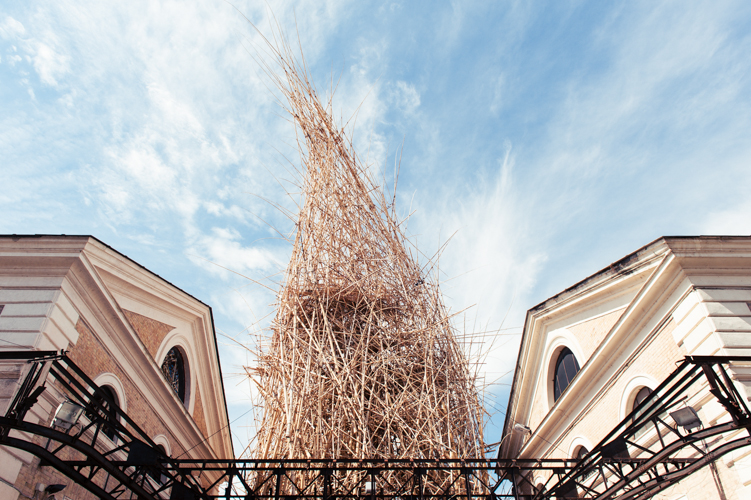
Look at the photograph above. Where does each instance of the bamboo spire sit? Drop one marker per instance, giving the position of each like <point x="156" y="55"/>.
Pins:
<point x="362" y="361"/>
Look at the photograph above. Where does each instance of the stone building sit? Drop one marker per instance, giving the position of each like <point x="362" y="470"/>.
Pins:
<point x="589" y="354"/>
<point x="128" y="329"/>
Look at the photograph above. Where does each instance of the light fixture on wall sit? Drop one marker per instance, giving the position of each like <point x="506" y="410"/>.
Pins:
<point x="48" y="490"/>
<point x="522" y="428"/>
<point x="517" y="428"/>
<point x="686" y="418"/>
<point x="67" y="415"/>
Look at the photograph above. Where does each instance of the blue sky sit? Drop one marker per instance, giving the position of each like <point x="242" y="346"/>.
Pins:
<point x="552" y="138"/>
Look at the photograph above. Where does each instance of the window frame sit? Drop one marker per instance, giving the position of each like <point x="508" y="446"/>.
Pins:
<point x="182" y="372"/>
<point x="561" y="358"/>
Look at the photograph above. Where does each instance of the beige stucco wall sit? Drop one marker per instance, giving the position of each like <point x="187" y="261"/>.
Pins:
<point x="588" y="333"/>
<point x="694" y="302"/>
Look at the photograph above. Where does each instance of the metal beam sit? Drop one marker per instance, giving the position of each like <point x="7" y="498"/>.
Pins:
<point x="621" y="466"/>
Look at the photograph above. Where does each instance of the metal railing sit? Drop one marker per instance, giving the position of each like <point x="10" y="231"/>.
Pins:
<point x="107" y="453"/>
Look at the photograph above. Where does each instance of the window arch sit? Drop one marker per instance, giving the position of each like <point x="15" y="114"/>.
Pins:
<point x="558" y="340"/>
<point x="184" y="345"/>
<point x="641" y="395"/>
<point x="162" y="443"/>
<point x="110" y="388"/>
<point x="173" y="369"/>
<point x="580" y="452"/>
<point x="633" y="387"/>
<point x="566" y="368"/>
<point x="109" y="403"/>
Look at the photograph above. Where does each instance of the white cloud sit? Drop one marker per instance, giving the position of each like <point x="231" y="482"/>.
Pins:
<point x="67" y="100"/>
<point x="221" y="210"/>
<point x="222" y="250"/>
<point x="731" y="221"/>
<point x="41" y="49"/>
<point x="49" y="64"/>
<point x="11" y="29"/>
<point x="405" y="96"/>
<point x="492" y="262"/>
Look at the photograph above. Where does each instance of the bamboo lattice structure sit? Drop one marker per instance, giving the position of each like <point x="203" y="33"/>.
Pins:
<point x="362" y="360"/>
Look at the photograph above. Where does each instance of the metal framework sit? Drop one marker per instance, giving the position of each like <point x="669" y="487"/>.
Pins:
<point x="646" y="453"/>
<point x="128" y="464"/>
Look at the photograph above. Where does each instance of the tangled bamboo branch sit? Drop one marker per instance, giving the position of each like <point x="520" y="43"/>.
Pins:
<point x="363" y="361"/>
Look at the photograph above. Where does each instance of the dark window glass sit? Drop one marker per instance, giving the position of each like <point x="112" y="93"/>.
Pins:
<point x="109" y="402"/>
<point x="566" y="369"/>
<point x="173" y="368"/>
<point x="579" y="454"/>
<point x="642" y="395"/>
<point x="1" y="308"/>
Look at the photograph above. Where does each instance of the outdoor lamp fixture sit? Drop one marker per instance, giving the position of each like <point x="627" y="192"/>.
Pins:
<point x="686" y="418"/>
<point x="67" y="415"/>
<point x="522" y="428"/>
<point x="515" y="429"/>
<point x="54" y="488"/>
<point x="48" y="490"/>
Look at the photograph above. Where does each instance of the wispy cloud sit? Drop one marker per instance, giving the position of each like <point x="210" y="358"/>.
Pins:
<point x="222" y="251"/>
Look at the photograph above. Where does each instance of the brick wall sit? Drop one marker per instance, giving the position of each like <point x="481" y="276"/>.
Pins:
<point x="150" y="331"/>
<point x="153" y="333"/>
<point x="198" y="416"/>
<point x="657" y="360"/>
<point x="91" y="356"/>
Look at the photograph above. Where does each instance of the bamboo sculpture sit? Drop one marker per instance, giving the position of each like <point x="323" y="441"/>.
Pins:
<point x="362" y="360"/>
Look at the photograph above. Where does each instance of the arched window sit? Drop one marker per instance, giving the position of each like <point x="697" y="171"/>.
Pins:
<point x="110" y="411"/>
<point x="566" y="369"/>
<point x="173" y="368"/>
<point x="579" y="455"/>
<point x="643" y="394"/>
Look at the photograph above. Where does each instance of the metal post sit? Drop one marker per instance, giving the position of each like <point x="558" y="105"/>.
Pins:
<point x="278" y="483"/>
<point x="228" y="490"/>
<point x="326" y="483"/>
<point x="417" y="481"/>
<point x="467" y="483"/>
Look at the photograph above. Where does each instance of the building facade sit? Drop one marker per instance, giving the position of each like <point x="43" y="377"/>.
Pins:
<point x="590" y="354"/>
<point x="150" y="345"/>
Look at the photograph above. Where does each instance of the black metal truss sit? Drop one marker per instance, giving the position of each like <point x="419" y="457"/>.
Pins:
<point x="106" y="452"/>
<point x="648" y="452"/>
<point x="644" y="454"/>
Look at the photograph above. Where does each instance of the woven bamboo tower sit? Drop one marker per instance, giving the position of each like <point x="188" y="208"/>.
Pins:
<point x="362" y="360"/>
